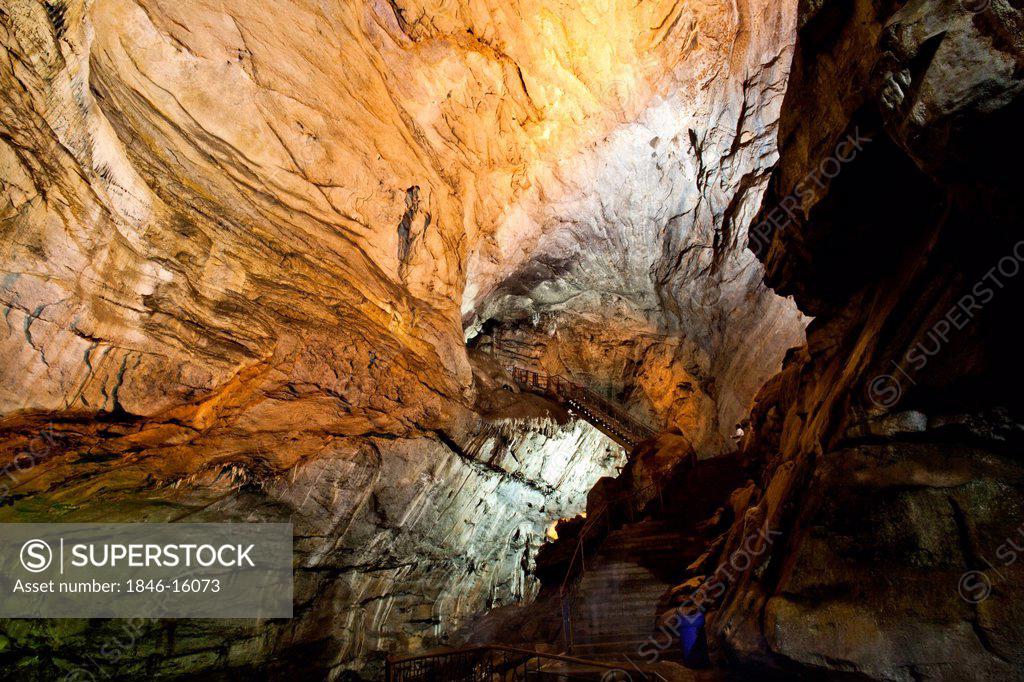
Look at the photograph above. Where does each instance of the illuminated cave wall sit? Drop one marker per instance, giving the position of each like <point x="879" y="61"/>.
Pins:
<point x="244" y="243"/>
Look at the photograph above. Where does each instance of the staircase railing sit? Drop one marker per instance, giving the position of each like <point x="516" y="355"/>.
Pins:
<point x="493" y="662"/>
<point x="630" y="506"/>
<point x="622" y="428"/>
<point x="611" y="419"/>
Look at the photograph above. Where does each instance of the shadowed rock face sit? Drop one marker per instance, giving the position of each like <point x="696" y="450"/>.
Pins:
<point x="244" y="243"/>
<point x="892" y="441"/>
<point x="397" y="541"/>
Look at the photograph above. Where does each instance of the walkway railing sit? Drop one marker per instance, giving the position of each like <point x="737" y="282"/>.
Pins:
<point x="624" y="429"/>
<point x="611" y="419"/>
<point x="629" y="507"/>
<point x="495" y="662"/>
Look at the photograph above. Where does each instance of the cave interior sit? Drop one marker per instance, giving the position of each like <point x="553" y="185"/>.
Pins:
<point x="617" y="339"/>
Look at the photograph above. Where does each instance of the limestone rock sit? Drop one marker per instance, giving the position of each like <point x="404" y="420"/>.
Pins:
<point x="888" y="460"/>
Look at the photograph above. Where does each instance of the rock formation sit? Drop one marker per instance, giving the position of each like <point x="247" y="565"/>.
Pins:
<point x="892" y="440"/>
<point x="266" y="261"/>
<point x="245" y="244"/>
<point x="882" y="539"/>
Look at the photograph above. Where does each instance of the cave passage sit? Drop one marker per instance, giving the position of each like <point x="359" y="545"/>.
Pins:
<point x="531" y="339"/>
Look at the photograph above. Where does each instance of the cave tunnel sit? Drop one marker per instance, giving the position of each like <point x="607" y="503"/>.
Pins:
<point x="511" y="339"/>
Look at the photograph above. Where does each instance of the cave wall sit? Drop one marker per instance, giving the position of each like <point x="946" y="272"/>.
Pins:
<point x="398" y="542"/>
<point x="666" y="379"/>
<point x="244" y="243"/>
<point x="892" y="441"/>
<point x="232" y="270"/>
<point x="628" y="269"/>
<point x="198" y="195"/>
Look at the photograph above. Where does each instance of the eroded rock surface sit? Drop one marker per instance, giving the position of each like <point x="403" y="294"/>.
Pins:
<point x="243" y="245"/>
<point x="892" y="441"/>
<point x="397" y="541"/>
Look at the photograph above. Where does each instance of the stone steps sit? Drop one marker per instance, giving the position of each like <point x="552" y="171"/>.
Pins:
<point x="615" y="620"/>
<point x="620" y="567"/>
<point x="615" y="605"/>
<point x="597" y="592"/>
<point x="666" y="542"/>
<point x="605" y="636"/>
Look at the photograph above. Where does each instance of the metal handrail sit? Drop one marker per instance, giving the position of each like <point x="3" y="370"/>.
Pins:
<point x="566" y="592"/>
<point x="602" y="413"/>
<point x="618" y="424"/>
<point x="465" y="664"/>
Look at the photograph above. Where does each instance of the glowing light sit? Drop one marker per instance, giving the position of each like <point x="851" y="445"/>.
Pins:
<point x="551" y="532"/>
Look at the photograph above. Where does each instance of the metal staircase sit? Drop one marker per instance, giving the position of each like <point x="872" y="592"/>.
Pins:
<point x="608" y="417"/>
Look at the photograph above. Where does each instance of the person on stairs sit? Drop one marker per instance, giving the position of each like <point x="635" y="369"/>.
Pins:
<point x="693" y="639"/>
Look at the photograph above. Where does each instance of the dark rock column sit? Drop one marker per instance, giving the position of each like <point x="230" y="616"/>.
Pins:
<point x="892" y="441"/>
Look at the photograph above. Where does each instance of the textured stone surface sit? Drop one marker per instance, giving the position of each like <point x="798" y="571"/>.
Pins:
<point x="204" y="194"/>
<point x="397" y="542"/>
<point x="892" y="441"/>
<point x="244" y="243"/>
